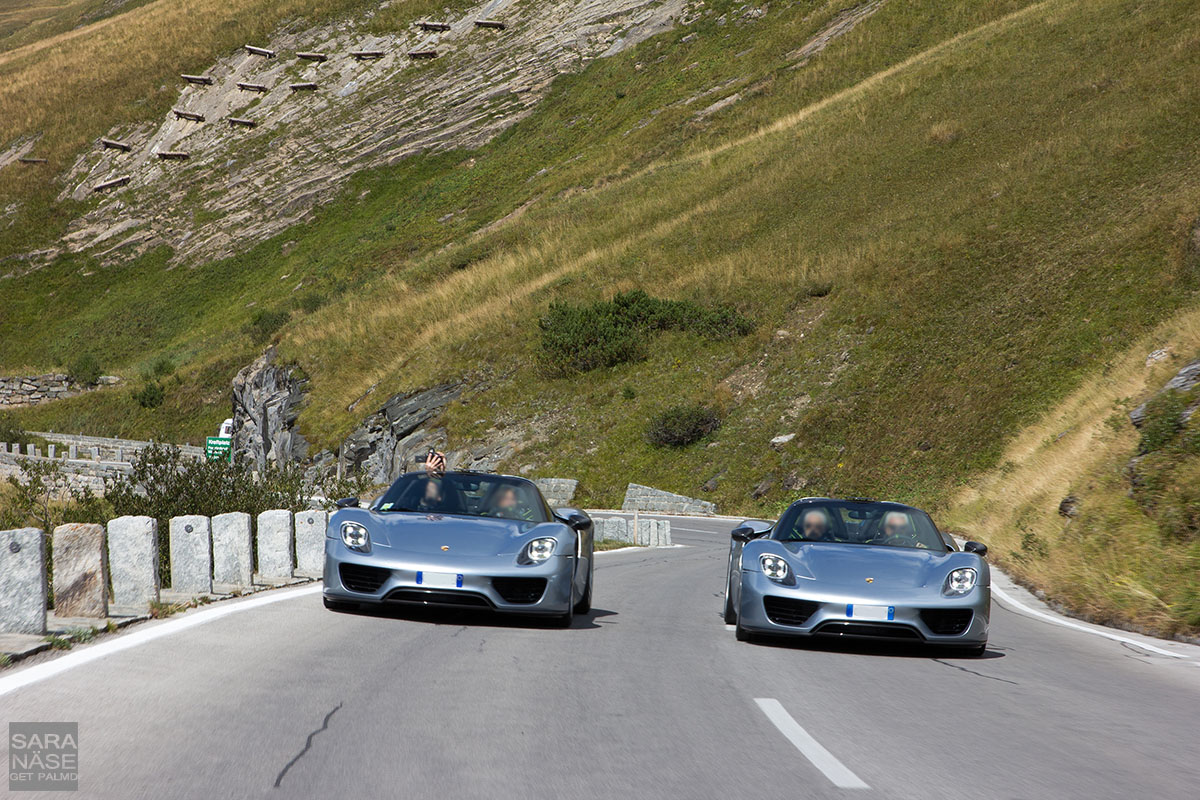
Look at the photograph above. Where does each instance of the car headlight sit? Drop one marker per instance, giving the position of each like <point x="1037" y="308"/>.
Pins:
<point x="539" y="550"/>
<point x="960" y="581"/>
<point x="774" y="567"/>
<point x="355" y="537"/>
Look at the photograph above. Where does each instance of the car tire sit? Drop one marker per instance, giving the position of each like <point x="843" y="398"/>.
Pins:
<point x="730" y="612"/>
<point x="339" y="606"/>
<point x="975" y="651"/>
<point x="585" y="603"/>
<point x="742" y="635"/>
<point x="565" y="620"/>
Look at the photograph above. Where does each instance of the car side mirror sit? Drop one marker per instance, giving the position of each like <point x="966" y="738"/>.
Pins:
<point x="750" y="529"/>
<point x="978" y="548"/>
<point x="574" y="517"/>
<point x="347" y="502"/>
<point x="743" y="533"/>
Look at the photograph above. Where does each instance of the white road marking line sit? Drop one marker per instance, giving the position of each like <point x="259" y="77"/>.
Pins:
<point x="731" y="627"/>
<point x="1116" y="637"/>
<point x="822" y="759"/>
<point x="41" y="672"/>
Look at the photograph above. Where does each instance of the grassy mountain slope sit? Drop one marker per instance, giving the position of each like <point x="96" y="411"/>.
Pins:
<point x="941" y="225"/>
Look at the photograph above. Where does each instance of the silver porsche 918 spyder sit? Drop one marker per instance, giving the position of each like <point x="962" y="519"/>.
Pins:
<point x="857" y="568"/>
<point x="461" y="539"/>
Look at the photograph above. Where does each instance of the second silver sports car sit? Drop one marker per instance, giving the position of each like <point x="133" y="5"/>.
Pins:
<point x="857" y="569"/>
<point x="462" y="539"/>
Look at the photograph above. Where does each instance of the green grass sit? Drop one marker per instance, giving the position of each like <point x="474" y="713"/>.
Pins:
<point x="939" y="228"/>
<point x="612" y="544"/>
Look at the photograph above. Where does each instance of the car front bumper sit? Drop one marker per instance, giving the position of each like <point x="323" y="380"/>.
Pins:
<point x="492" y="582"/>
<point x="771" y="608"/>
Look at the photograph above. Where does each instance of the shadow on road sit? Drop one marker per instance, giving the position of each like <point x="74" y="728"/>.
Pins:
<point x="475" y="618"/>
<point x="873" y="647"/>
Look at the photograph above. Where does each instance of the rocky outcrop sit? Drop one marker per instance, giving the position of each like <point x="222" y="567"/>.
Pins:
<point x="363" y="113"/>
<point x="1184" y="381"/>
<point x="267" y="398"/>
<point x="390" y="441"/>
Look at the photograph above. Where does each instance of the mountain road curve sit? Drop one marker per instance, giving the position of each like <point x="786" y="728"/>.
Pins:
<point x="649" y="695"/>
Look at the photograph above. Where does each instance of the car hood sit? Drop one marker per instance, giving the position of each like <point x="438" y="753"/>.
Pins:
<point x="851" y="565"/>
<point x="429" y="534"/>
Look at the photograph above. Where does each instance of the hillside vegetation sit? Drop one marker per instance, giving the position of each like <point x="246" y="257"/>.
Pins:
<point x="939" y="226"/>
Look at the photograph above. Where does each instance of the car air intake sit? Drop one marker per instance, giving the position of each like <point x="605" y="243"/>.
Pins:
<point x="788" y="610"/>
<point x="430" y="597"/>
<point x="947" y="621"/>
<point x="866" y="629"/>
<point x="359" y="578"/>
<point x="520" y="590"/>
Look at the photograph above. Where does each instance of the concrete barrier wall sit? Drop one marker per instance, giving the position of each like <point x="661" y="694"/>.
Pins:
<point x="647" y="498"/>
<point x="207" y="555"/>
<point x="646" y="532"/>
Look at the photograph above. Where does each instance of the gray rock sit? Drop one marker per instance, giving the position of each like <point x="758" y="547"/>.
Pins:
<point x="80" y="577"/>
<point x="22" y="581"/>
<point x="133" y="561"/>
<point x="266" y="403"/>
<point x="233" y="549"/>
<point x="1184" y="381"/>
<point x="762" y="488"/>
<point x="275" y="544"/>
<point x="191" y="554"/>
<point x="310" y="542"/>
<point x="381" y="446"/>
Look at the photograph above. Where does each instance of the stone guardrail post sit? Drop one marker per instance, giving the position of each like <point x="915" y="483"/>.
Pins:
<point x="133" y="562"/>
<point x="191" y="554"/>
<point x="22" y="581"/>
<point x="50" y="451"/>
<point x="80" y="577"/>
<point x="275" y="545"/>
<point x="72" y="451"/>
<point x="233" y="549"/>
<point x="310" y="543"/>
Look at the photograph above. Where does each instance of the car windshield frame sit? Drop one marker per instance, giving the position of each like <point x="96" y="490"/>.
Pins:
<point x="464" y="494"/>
<point x="860" y="523"/>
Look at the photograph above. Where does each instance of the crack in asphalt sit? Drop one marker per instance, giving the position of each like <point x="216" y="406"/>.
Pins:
<point x="307" y="745"/>
<point x="973" y="672"/>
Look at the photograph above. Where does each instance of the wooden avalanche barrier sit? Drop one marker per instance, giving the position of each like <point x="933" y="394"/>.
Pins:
<point x="259" y="51"/>
<point x="113" y="144"/>
<point x="252" y="87"/>
<point x="115" y="182"/>
<point x="200" y="79"/>
<point x="190" y="115"/>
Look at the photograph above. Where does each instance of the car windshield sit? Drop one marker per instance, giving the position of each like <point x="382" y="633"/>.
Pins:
<point x="467" y="494"/>
<point x="865" y="523"/>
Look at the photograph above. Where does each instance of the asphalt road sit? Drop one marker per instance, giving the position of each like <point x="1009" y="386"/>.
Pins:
<point x="648" y="696"/>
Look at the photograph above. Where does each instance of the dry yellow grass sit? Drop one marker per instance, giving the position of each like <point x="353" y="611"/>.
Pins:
<point x="1073" y="444"/>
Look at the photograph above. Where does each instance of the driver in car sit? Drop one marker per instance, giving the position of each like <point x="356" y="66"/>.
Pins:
<point x="815" y="525"/>
<point x="506" y="504"/>
<point x="432" y="500"/>
<point x="896" y="526"/>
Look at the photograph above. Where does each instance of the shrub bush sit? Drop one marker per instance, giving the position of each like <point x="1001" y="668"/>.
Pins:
<point x="265" y="322"/>
<point x="1164" y="420"/>
<point x="85" y="370"/>
<point x="607" y="333"/>
<point x="151" y="395"/>
<point x="680" y="426"/>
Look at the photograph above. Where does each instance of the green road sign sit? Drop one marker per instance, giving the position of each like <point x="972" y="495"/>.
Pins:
<point x="218" y="447"/>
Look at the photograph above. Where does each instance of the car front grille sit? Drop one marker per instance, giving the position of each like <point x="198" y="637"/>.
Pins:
<point x="789" y="610"/>
<point x="431" y="597"/>
<point x="947" y="621"/>
<point x="520" y="590"/>
<point x="867" y="629"/>
<point x="360" y="578"/>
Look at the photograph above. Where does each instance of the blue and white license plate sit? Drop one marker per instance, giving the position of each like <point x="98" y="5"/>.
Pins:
<point x="872" y="613"/>
<point x="439" y="580"/>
